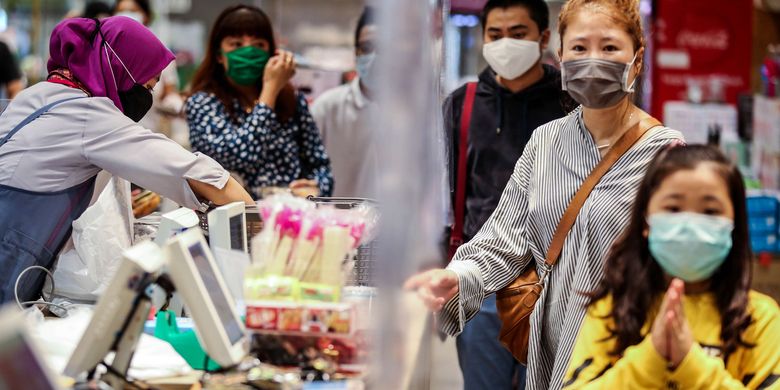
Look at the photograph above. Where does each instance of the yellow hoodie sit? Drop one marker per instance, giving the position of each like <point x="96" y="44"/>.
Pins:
<point x="642" y="367"/>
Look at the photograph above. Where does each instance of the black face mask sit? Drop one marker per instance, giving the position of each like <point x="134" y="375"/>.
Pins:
<point x="136" y="102"/>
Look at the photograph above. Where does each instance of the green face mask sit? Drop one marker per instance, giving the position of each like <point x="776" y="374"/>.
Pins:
<point x="246" y="64"/>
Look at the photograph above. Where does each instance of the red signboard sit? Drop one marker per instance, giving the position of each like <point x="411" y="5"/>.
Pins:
<point x="704" y="43"/>
<point x="467" y="6"/>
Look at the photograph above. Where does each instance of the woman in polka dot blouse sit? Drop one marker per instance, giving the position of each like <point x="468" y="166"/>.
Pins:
<point x="245" y="114"/>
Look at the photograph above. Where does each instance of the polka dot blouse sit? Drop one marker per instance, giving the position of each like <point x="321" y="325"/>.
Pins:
<point x="264" y="151"/>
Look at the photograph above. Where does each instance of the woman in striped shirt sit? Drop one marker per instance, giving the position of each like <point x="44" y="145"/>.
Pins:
<point x="602" y="46"/>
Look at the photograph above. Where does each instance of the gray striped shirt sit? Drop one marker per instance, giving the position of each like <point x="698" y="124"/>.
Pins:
<point x="556" y="161"/>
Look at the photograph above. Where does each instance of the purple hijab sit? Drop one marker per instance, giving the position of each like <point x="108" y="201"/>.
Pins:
<point x="77" y="46"/>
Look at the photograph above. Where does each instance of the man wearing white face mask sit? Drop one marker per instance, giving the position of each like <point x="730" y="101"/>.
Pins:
<point x="343" y="116"/>
<point x="138" y="10"/>
<point x="514" y="95"/>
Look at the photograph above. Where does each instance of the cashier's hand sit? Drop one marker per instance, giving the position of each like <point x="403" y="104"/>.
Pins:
<point x="435" y="287"/>
<point x="671" y="335"/>
<point x="279" y="70"/>
<point x="304" y="188"/>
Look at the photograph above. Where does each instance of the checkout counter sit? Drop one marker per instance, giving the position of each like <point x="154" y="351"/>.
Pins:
<point x="244" y="324"/>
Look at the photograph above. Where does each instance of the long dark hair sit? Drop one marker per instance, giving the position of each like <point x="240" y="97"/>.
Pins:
<point x="635" y="280"/>
<point x="239" y="20"/>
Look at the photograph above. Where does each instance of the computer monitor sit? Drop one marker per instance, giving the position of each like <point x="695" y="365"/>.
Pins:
<point x="175" y="222"/>
<point x="21" y="364"/>
<point x="206" y="297"/>
<point x="140" y="266"/>
<point x="227" y="227"/>
<point x="171" y="224"/>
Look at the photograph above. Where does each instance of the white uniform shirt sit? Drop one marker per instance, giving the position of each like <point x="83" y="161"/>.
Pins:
<point x="346" y="120"/>
<point x="76" y="139"/>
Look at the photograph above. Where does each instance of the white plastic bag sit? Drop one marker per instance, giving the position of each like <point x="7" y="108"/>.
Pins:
<point x="99" y="237"/>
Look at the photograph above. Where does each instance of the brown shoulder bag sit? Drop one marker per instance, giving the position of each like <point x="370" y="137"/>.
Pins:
<point x="516" y="301"/>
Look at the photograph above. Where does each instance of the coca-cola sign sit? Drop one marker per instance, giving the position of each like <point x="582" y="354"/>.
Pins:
<point x="467" y="6"/>
<point x="707" y="40"/>
<point x="701" y="40"/>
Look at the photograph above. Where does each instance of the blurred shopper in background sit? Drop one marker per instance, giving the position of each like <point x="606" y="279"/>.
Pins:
<point x="245" y="113"/>
<point x="96" y="10"/>
<point x="167" y="100"/>
<point x="514" y="95"/>
<point x="138" y="10"/>
<point x="345" y="116"/>
<point x="675" y="309"/>
<point x="602" y="54"/>
<point x="10" y="74"/>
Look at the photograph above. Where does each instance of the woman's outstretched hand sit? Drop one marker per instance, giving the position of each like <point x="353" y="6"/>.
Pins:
<point x="435" y="287"/>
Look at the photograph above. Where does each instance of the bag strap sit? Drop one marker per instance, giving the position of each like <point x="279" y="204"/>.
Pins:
<point x="456" y="236"/>
<point x="625" y="143"/>
<point x="35" y="116"/>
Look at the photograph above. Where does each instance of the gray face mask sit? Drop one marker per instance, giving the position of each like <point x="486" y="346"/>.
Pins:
<point x="596" y="83"/>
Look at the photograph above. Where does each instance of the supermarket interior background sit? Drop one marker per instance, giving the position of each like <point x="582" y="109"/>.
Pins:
<point x="711" y="70"/>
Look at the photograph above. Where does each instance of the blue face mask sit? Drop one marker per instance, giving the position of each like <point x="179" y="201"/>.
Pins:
<point x="689" y="246"/>
<point x="365" y="66"/>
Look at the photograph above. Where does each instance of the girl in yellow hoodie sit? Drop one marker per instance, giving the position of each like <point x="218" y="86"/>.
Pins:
<point x="675" y="309"/>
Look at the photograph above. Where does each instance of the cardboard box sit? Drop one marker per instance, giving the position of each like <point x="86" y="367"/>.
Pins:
<point x="766" y="277"/>
<point x="766" y="142"/>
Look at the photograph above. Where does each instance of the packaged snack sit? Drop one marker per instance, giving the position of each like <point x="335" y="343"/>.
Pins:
<point x="319" y="292"/>
<point x="328" y="319"/>
<point x="271" y="287"/>
<point x="290" y="319"/>
<point x="264" y="318"/>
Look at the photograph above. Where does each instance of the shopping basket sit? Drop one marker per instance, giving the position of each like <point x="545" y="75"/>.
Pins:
<point x="366" y="254"/>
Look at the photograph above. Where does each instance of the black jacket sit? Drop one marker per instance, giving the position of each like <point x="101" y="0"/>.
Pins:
<point x="501" y="126"/>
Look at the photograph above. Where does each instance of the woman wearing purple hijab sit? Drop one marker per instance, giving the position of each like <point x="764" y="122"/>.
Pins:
<point x="57" y="135"/>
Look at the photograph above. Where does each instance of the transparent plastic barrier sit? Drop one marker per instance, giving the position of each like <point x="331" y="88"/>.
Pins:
<point x="411" y="182"/>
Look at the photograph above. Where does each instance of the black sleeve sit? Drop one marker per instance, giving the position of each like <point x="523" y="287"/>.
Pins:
<point x="9" y="69"/>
